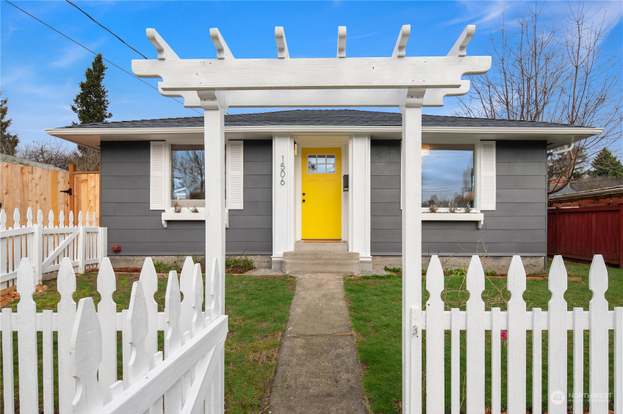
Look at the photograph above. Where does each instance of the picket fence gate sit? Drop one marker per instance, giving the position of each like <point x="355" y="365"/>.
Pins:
<point x="45" y="244"/>
<point x="186" y="377"/>
<point x="516" y="322"/>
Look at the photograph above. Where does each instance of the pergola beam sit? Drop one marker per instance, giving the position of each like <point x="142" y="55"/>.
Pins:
<point x="460" y="46"/>
<point x="317" y="73"/>
<point x="282" y="44"/>
<point x="321" y="97"/>
<point x="400" y="49"/>
<point x="341" y="41"/>
<point x="163" y="50"/>
<point x="222" y="50"/>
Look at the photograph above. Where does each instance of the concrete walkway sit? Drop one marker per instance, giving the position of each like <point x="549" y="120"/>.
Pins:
<point x="318" y="370"/>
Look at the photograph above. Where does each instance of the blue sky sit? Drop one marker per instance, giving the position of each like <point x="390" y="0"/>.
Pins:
<point x="41" y="71"/>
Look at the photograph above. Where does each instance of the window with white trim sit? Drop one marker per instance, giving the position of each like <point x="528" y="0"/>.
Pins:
<point x="177" y="176"/>
<point x="448" y="176"/>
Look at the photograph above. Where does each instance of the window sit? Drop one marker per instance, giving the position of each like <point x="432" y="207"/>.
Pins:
<point x="448" y="176"/>
<point x="321" y="164"/>
<point x="187" y="175"/>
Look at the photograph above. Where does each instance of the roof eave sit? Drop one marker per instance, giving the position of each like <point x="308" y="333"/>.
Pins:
<point x="582" y="132"/>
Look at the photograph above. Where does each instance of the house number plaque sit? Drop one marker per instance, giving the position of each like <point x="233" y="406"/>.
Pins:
<point x="282" y="174"/>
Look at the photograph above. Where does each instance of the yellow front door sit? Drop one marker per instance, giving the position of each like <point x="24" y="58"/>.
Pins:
<point x="322" y="193"/>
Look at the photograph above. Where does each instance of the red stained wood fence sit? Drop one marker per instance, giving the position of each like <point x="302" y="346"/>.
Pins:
<point x="579" y="233"/>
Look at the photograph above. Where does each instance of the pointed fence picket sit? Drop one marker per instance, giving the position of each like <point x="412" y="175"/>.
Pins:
<point x="516" y="311"/>
<point x="46" y="243"/>
<point x="523" y="328"/>
<point x="475" y="334"/>
<point x="185" y="378"/>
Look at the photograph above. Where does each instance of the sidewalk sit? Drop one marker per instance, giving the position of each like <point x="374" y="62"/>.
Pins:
<point x="318" y="370"/>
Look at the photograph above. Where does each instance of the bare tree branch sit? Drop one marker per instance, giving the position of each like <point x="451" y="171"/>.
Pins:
<point x="546" y="75"/>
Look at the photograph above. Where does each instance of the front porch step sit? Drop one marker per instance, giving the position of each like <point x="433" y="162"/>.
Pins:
<point x="319" y="261"/>
<point x="321" y="246"/>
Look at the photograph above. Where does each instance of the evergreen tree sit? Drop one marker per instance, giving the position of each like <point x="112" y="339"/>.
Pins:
<point x="91" y="105"/>
<point x="8" y="141"/>
<point x="606" y="164"/>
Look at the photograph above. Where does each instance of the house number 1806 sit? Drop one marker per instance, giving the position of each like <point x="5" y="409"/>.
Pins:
<point x="282" y="174"/>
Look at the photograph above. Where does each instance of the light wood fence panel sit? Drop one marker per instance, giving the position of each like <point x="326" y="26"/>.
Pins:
<point x="25" y="184"/>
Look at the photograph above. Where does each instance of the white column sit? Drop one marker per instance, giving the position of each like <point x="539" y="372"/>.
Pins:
<point x="214" y="144"/>
<point x="359" y="198"/>
<point x="411" y="251"/>
<point x="284" y="205"/>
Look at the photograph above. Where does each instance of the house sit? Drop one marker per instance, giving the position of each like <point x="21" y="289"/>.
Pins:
<point x="589" y="191"/>
<point x="484" y="185"/>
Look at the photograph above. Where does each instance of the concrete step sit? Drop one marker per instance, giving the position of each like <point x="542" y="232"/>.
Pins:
<point x="312" y="246"/>
<point x="305" y="262"/>
<point x="321" y="255"/>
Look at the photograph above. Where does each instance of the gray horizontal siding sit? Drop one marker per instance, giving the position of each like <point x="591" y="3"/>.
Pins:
<point x="517" y="226"/>
<point x="125" y="206"/>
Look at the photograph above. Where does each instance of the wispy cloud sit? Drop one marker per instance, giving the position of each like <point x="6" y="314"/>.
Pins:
<point x="489" y="15"/>
<point x="69" y="56"/>
<point x="482" y="13"/>
<point x="73" y="54"/>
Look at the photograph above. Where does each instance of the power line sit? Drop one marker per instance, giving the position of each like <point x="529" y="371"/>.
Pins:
<point x="110" y="62"/>
<point x="94" y="20"/>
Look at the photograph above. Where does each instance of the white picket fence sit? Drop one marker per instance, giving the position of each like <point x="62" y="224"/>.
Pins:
<point x="185" y="377"/>
<point x="45" y="244"/>
<point x="555" y="322"/>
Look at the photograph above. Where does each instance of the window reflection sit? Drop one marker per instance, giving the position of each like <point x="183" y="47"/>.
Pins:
<point x="187" y="173"/>
<point x="321" y="164"/>
<point x="448" y="176"/>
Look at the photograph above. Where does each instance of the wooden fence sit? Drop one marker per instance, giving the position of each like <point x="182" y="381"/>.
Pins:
<point x="186" y="376"/>
<point x="46" y="243"/>
<point x="26" y="184"/>
<point x="579" y="233"/>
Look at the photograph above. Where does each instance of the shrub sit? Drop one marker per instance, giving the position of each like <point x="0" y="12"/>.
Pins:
<point x="238" y="265"/>
<point x="164" y="267"/>
<point x="397" y="270"/>
<point x="456" y="272"/>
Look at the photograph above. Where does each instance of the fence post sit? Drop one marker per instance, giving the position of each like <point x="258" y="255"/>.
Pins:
<point x="37" y="252"/>
<point x="81" y="244"/>
<point x="3" y="250"/>
<point x="102" y="243"/>
<point x="35" y="249"/>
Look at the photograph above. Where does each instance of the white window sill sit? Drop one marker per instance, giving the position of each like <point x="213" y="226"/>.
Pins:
<point x="443" y="216"/>
<point x="186" y="215"/>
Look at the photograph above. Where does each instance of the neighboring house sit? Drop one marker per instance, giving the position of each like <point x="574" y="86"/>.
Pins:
<point x="589" y="191"/>
<point x="486" y="181"/>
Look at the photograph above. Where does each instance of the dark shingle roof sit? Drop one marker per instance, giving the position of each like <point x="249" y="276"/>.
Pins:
<point x="325" y="117"/>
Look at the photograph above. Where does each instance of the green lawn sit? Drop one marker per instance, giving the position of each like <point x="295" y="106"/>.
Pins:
<point x="375" y="309"/>
<point x="258" y="312"/>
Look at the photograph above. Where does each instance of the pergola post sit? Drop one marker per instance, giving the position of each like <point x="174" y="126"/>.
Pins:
<point x="214" y="150"/>
<point x="214" y="154"/>
<point x="412" y="250"/>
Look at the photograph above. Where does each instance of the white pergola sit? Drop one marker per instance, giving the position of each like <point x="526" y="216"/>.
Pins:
<point x="395" y="81"/>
